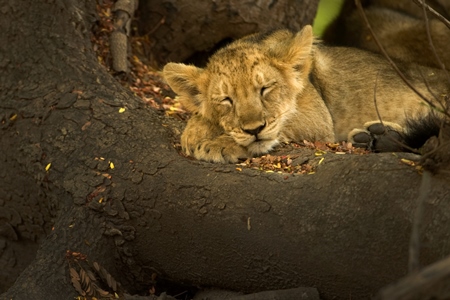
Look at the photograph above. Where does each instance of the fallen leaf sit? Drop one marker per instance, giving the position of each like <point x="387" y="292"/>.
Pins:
<point x="408" y="162"/>
<point x="86" y="125"/>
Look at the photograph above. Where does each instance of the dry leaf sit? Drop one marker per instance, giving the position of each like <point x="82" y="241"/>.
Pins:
<point x="108" y="279"/>
<point x="408" y="162"/>
<point x="83" y="275"/>
<point x="76" y="284"/>
<point x="91" y="275"/>
<point x="152" y="290"/>
<point x="89" y="290"/>
<point x="102" y="292"/>
<point x="74" y="273"/>
<point x="96" y="266"/>
<point x="75" y="278"/>
<point x="86" y="125"/>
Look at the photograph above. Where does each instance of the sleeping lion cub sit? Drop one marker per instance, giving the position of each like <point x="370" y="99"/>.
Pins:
<point x="266" y="89"/>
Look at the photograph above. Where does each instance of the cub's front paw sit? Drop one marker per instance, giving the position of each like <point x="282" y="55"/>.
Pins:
<point x="218" y="150"/>
<point x="214" y="151"/>
<point x="378" y="137"/>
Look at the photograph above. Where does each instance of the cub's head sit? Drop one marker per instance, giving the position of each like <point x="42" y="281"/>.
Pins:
<point x="249" y="88"/>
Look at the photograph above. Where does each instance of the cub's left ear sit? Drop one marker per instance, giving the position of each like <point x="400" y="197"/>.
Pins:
<point x="183" y="80"/>
<point x="296" y="50"/>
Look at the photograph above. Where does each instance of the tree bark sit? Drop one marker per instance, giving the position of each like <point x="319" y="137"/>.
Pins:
<point x="78" y="175"/>
<point x="180" y="29"/>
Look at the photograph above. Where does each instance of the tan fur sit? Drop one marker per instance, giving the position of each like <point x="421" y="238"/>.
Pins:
<point x="399" y="26"/>
<point x="263" y="90"/>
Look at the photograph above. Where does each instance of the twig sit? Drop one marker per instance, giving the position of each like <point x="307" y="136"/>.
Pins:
<point x="430" y="9"/>
<point x="161" y="22"/>
<point x="414" y="243"/>
<point x="444" y="106"/>
<point x="403" y="145"/>
<point x="430" y="40"/>
<point x="386" y="55"/>
<point x="375" y="98"/>
<point x="427" y="84"/>
<point x="414" y="246"/>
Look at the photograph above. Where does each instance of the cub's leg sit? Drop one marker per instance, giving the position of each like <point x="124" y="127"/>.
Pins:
<point x="379" y="137"/>
<point x="206" y="141"/>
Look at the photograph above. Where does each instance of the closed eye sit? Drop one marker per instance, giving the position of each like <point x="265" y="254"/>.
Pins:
<point x="263" y="89"/>
<point x="226" y="101"/>
<point x="267" y="87"/>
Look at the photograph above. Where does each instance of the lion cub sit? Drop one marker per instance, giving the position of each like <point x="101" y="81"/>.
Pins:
<point x="266" y="89"/>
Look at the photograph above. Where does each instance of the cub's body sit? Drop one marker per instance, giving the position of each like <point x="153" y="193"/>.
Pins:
<point x="355" y="84"/>
<point x="399" y="26"/>
<point x="265" y="89"/>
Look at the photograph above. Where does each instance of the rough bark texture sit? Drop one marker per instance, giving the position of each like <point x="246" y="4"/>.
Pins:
<point x="344" y="230"/>
<point x="180" y="28"/>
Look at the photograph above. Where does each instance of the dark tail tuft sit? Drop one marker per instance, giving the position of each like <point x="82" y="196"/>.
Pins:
<point x="420" y="130"/>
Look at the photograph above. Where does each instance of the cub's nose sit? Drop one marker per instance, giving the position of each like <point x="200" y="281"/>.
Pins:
<point x="254" y="131"/>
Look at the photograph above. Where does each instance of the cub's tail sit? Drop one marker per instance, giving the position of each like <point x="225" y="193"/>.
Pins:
<point x="420" y="130"/>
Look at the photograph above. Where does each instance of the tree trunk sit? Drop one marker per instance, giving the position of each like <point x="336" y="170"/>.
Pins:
<point x="80" y="178"/>
<point x="182" y="29"/>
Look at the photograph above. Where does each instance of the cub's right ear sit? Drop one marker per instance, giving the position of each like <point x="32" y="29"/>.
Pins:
<point x="183" y="80"/>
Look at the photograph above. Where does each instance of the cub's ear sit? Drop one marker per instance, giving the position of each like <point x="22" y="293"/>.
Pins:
<point x="183" y="80"/>
<point x="296" y="50"/>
